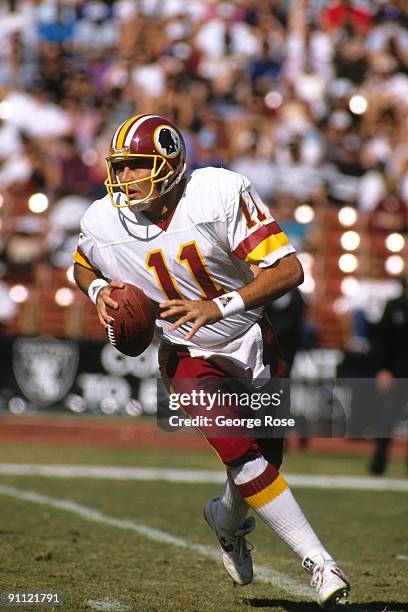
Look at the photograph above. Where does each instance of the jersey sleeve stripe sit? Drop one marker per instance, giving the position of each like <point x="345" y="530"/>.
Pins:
<point x="266" y="247"/>
<point x="256" y="238"/>
<point x="80" y="258"/>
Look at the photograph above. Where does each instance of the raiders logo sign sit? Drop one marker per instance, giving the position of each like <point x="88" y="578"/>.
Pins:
<point x="167" y="141"/>
<point x="45" y="368"/>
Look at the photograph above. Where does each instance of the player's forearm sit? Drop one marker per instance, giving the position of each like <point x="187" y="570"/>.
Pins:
<point x="273" y="282"/>
<point x="84" y="277"/>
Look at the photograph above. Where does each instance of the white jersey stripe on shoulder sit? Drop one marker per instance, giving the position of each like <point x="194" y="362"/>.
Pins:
<point x="139" y="122"/>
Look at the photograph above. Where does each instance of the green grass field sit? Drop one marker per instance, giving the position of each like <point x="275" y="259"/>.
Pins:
<point x="52" y="549"/>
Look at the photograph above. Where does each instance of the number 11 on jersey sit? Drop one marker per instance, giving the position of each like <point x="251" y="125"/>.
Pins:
<point x="190" y="255"/>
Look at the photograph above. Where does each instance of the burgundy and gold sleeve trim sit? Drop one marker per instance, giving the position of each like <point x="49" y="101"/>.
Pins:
<point x="261" y="243"/>
<point x="79" y="258"/>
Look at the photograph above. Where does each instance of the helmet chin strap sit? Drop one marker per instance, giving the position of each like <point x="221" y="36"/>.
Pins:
<point x="167" y="187"/>
<point x="143" y="206"/>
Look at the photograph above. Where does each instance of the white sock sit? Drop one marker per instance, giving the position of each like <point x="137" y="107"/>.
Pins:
<point x="268" y="494"/>
<point x="232" y="509"/>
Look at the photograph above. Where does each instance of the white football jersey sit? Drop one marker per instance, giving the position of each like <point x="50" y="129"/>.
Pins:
<point x="219" y="227"/>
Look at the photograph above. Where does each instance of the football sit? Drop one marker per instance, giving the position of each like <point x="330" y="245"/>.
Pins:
<point x="133" y="327"/>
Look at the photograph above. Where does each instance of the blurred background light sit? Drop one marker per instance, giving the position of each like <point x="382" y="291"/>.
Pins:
<point x="308" y="285"/>
<point x="358" y="104"/>
<point x="307" y="261"/>
<point x="70" y="274"/>
<point x="273" y="100"/>
<point x="18" y="293"/>
<point x="350" y="241"/>
<point x="38" y="202"/>
<point x="304" y="214"/>
<point x="395" y="242"/>
<point x="350" y="286"/>
<point x="348" y="263"/>
<point x="394" y="265"/>
<point x="64" y="296"/>
<point x="347" y="216"/>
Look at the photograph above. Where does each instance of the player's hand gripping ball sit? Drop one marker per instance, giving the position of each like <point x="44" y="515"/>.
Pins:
<point x="133" y="322"/>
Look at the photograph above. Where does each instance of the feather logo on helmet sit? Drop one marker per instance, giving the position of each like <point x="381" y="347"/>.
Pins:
<point x="167" y="141"/>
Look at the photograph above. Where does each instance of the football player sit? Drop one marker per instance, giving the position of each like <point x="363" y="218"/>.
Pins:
<point x="189" y="242"/>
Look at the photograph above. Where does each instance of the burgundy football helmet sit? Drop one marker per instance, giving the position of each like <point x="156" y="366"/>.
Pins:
<point x="159" y="144"/>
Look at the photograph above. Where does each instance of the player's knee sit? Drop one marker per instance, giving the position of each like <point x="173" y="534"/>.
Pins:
<point x="243" y="455"/>
<point x="234" y="452"/>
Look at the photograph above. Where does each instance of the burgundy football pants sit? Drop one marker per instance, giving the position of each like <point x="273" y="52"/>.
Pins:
<point x="185" y="374"/>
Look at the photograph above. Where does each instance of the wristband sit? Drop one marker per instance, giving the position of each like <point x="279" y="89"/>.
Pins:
<point x="230" y="304"/>
<point x="95" y="287"/>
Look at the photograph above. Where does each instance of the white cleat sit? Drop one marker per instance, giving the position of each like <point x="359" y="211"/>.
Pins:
<point x="330" y="582"/>
<point x="235" y="551"/>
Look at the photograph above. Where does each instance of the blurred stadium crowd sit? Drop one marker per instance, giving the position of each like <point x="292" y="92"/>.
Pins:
<point x="307" y="99"/>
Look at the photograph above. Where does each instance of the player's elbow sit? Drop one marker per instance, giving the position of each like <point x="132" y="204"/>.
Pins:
<point x="297" y="274"/>
<point x="83" y="277"/>
<point x="78" y="274"/>
<point x="292" y="272"/>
